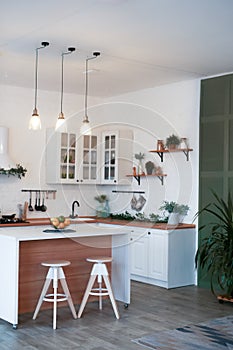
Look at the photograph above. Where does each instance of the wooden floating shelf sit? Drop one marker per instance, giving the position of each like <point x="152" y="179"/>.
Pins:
<point x="138" y="177"/>
<point x="161" y="152"/>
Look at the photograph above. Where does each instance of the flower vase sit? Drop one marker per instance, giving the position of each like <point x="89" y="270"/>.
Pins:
<point x="140" y="167"/>
<point x="100" y="210"/>
<point x="106" y="211"/>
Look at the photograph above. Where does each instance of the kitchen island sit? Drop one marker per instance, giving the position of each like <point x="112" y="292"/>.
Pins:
<point x="23" y="248"/>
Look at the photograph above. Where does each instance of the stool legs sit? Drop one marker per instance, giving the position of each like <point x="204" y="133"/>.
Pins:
<point x="43" y="293"/>
<point x="55" y="274"/>
<point x="99" y="271"/>
<point x="109" y="288"/>
<point x="86" y="294"/>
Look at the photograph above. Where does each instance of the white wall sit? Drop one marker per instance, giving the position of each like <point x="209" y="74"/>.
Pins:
<point x="152" y="113"/>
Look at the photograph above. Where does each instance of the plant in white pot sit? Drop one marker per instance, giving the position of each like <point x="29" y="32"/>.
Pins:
<point x="176" y="212"/>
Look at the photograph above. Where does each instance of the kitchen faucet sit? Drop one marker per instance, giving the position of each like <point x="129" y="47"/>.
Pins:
<point x="73" y="205"/>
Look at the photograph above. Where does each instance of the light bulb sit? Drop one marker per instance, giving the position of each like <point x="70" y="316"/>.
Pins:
<point x="85" y="128"/>
<point x="61" y="124"/>
<point x="35" y="122"/>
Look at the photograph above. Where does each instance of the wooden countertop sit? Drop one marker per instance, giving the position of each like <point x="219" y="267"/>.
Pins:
<point x="109" y="221"/>
<point x="135" y="223"/>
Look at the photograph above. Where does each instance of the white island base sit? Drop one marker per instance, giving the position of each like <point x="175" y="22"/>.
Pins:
<point x="22" y="249"/>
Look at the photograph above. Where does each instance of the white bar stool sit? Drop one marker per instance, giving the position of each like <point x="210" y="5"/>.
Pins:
<point x="99" y="271"/>
<point x="54" y="274"/>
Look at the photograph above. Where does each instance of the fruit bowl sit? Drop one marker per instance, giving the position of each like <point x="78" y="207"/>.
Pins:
<point x="60" y="222"/>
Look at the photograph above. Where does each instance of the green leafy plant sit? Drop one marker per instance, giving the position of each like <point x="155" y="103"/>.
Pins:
<point x="101" y="198"/>
<point x="173" y="140"/>
<point x="168" y="206"/>
<point x="215" y="252"/>
<point x="19" y="171"/>
<point x="181" y="209"/>
<point x="139" y="156"/>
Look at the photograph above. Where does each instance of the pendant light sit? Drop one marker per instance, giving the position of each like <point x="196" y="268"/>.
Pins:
<point x="85" y="128"/>
<point x="60" y="124"/>
<point x="35" y="123"/>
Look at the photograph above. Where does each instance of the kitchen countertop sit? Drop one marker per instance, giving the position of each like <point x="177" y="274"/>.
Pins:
<point x="109" y="221"/>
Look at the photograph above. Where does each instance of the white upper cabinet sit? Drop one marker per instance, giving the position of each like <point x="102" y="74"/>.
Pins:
<point x="105" y="157"/>
<point x="88" y="159"/>
<point x="61" y="157"/>
<point x="116" y="157"/>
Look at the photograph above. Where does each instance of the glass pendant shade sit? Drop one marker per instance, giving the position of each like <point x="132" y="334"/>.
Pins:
<point x="35" y="122"/>
<point x="85" y="127"/>
<point x="61" y="123"/>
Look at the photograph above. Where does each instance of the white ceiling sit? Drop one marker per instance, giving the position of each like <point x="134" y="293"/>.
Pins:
<point x="143" y="43"/>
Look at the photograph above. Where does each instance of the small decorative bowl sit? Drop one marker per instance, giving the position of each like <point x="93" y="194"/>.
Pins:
<point x="60" y="222"/>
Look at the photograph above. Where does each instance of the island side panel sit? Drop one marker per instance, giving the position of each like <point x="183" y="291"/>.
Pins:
<point x="9" y="279"/>
<point x="32" y="275"/>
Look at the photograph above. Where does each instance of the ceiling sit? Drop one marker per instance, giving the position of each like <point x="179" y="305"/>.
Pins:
<point x="143" y="43"/>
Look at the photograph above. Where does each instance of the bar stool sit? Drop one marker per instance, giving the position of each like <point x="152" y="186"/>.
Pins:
<point x="99" y="271"/>
<point x="54" y="274"/>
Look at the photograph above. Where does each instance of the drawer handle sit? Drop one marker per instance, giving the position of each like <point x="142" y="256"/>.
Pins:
<point x="149" y="233"/>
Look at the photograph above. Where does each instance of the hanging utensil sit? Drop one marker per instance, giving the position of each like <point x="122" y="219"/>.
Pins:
<point x="39" y="206"/>
<point x="43" y="206"/>
<point x="36" y="206"/>
<point x="30" y="207"/>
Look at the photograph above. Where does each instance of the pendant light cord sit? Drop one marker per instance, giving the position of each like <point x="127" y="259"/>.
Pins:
<point x="70" y="50"/>
<point x="95" y="54"/>
<point x="44" y="44"/>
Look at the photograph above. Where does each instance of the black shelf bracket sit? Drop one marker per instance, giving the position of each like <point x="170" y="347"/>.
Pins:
<point x="186" y="152"/>
<point x="161" y="178"/>
<point x="160" y="154"/>
<point x="138" y="179"/>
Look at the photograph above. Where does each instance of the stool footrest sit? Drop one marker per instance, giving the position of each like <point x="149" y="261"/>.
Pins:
<point x="99" y="291"/>
<point x="50" y="297"/>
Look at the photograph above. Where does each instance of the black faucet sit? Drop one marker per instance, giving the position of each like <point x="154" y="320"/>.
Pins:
<point x="73" y="204"/>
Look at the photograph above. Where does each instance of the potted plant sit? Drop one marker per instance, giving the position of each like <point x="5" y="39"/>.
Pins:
<point x="176" y="211"/>
<point x="215" y="252"/>
<point x="173" y="141"/>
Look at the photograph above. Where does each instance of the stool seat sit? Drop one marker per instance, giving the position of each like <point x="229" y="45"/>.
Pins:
<point x="55" y="263"/>
<point x="99" y="271"/>
<point x="55" y="274"/>
<point x="100" y="260"/>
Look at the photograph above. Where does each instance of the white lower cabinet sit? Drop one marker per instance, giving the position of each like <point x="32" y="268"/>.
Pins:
<point x="162" y="257"/>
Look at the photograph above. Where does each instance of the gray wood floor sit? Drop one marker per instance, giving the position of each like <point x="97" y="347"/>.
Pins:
<point x="151" y="309"/>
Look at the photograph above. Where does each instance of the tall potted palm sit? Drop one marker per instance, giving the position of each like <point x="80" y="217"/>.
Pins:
<point x="215" y="253"/>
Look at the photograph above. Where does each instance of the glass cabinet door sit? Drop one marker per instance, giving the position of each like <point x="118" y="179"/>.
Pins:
<point x="89" y="157"/>
<point x="110" y="157"/>
<point x="68" y="156"/>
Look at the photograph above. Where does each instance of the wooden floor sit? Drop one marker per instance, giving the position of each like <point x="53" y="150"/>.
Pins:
<point x="151" y="309"/>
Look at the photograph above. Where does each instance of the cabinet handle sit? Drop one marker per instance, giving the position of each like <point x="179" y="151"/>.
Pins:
<point x="114" y="181"/>
<point x="77" y="180"/>
<point x="149" y="233"/>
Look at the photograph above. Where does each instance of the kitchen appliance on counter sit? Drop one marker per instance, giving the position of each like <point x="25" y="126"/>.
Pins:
<point x="10" y="219"/>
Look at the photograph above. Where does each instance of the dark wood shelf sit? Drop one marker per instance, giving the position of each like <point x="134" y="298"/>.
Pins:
<point x="138" y="177"/>
<point x="161" y="152"/>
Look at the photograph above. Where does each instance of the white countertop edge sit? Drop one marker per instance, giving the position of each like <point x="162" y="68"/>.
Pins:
<point x="83" y="230"/>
